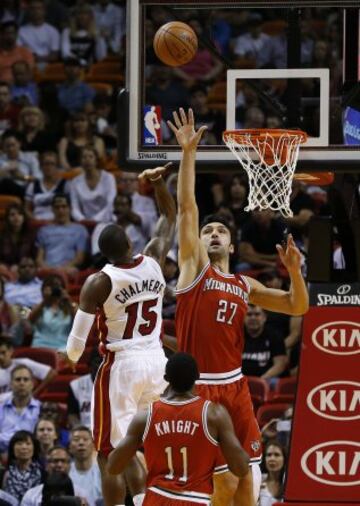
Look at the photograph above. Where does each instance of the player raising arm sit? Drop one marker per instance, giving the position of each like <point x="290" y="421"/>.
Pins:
<point x="211" y="306"/>
<point x="128" y="295"/>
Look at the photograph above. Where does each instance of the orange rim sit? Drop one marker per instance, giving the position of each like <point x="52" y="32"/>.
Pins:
<point x="315" y="178"/>
<point x="260" y="133"/>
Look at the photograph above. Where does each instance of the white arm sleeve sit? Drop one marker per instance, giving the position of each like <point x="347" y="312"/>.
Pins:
<point x="78" y="335"/>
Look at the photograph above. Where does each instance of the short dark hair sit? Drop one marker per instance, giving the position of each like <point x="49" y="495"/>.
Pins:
<point x="181" y="372"/>
<point x="23" y="435"/>
<point x="198" y="87"/>
<point x="63" y="196"/>
<point x="72" y="62"/>
<point x="4" y="84"/>
<point x="21" y="366"/>
<point x="6" y="341"/>
<point x="8" y="24"/>
<point x="114" y="243"/>
<point x="219" y="218"/>
<point x="80" y="428"/>
<point x="10" y="133"/>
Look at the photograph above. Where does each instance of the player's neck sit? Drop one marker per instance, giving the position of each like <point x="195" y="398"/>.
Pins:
<point x="172" y="395"/>
<point x="222" y="264"/>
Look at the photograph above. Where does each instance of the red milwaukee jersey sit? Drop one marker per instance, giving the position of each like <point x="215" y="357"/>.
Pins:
<point x="210" y="323"/>
<point x="180" y="452"/>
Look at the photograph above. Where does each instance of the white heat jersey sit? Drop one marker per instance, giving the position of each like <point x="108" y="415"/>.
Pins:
<point x="132" y="314"/>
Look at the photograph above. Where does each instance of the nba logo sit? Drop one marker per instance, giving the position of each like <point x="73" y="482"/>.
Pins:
<point x="152" y="125"/>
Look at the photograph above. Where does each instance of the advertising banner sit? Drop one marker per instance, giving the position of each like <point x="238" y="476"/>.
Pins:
<point x="324" y="460"/>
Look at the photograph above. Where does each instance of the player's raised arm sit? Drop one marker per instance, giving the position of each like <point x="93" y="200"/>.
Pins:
<point x="93" y="294"/>
<point x="125" y="451"/>
<point x="163" y="236"/>
<point x="295" y="301"/>
<point x="191" y="253"/>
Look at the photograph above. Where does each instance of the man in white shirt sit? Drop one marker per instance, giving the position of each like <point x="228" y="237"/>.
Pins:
<point x="26" y="291"/>
<point x="58" y="461"/>
<point x="41" y="372"/>
<point x="110" y="21"/>
<point x="40" y="37"/>
<point x="84" y="470"/>
<point x="254" y="44"/>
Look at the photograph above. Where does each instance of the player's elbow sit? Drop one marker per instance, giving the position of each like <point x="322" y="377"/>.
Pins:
<point x="240" y="466"/>
<point x="301" y="308"/>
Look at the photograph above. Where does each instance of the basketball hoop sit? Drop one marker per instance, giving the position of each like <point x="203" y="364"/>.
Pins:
<point x="272" y="172"/>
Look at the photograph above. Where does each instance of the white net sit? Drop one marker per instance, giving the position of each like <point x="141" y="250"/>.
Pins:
<point x="271" y="172"/>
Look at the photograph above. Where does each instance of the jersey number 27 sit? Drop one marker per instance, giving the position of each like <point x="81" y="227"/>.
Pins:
<point x="226" y="311"/>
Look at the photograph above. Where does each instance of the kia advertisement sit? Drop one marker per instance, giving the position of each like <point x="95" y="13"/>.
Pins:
<point x="324" y="461"/>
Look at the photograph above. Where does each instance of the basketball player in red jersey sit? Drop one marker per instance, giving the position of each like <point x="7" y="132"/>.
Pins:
<point x="181" y="434"/>
<point x="128" y="292"/>
<point x="211" y="305"/>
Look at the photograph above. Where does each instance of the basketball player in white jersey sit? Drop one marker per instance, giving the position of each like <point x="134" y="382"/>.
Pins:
<point x="128" y="293"/>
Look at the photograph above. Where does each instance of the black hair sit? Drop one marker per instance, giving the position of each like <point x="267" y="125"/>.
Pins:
<point x="21" y="366"/>
<point x="6" y="341"/>
<point x="124" y="196"/>
<point x="181" y="372"/>
<point x="72" y="62"/>
<point x="63" y="196"/>
<point x="10" y="133"/>
<point x="19" y="436"/>
<point x="114" y="243"/>
<point x="56" y="485"/>
<point x="198" y="87"/>
<point x="219" y="218"/>
<point x="81" y="428"/>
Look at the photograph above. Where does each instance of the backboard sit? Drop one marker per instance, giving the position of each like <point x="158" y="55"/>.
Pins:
<point x="260" y="64"/>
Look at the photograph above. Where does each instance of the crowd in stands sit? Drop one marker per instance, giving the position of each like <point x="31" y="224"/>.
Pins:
<point x="61" y="63"/>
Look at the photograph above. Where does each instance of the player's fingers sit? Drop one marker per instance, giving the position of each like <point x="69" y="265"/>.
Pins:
<point x="171" y="126"/>
<point x="200" y="132"/>
<point x="280" y="250"/>
<point x="183" y="116"/>
<point x="177" y="120"/>
<point x="191" y="117"/>
<point x="167" y="165"/>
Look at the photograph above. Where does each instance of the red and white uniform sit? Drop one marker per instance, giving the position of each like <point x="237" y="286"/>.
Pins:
<point x="131" y="374"/>
<point x="180" y="453"/>
<point x="210" y="326"/>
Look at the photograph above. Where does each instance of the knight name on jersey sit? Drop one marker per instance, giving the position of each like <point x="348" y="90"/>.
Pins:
<point x="215" y="284"/>
<point x="176" y="427"/>
<point x="137" y="288"/>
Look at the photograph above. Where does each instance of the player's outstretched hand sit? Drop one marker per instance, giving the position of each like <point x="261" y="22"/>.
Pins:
<point x="184" y="129"/>
<point x="154" y="174"/>
<point x="290" y="254"/>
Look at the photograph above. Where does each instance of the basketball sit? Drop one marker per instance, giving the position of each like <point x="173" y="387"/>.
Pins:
<point x="175" y="43"/>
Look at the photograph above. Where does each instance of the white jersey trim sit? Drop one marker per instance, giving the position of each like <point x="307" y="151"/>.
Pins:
<point x="195" y="282"/>
<point x="222" y="378"/>
<point x="148" y="422"/>
<point x="183" y="496"/>
<point x="223" y="274"/>
<point x="221" y="469"/>
<point x="179" y="403"/>
<point x="246" y="281"/>
<point x="205" y="424"/>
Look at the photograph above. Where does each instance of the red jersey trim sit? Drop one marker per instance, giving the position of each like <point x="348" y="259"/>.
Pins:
<point x="195" y="282"/>
<point x="190" y="496"/>
<point x="137" y="260"/>
<point x="205" y="424"/>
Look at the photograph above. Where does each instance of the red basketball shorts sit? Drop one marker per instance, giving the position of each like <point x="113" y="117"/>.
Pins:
<point x="237" y="400"/>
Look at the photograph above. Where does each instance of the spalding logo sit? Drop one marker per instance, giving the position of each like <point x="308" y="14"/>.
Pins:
<point x="338" y="338"/>
<point x="336" y="400"/>
<point x="334" y="463"/>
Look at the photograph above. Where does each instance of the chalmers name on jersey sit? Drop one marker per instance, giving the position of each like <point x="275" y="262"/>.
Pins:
<point x="131" y="316"/>
<point x="179" y="450"/>
<point x="210" y="323"/>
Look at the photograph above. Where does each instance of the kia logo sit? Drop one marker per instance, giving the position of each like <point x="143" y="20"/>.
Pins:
<point x="336" y="400"/>
<point x="338" y="338"/>
<point x="343" y="289"/>
<point x="334" y="463"/>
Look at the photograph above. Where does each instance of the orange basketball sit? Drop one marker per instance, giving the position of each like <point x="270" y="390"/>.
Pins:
<point x="175" y="43"/>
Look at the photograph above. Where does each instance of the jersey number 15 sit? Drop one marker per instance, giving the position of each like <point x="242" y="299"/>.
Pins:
<point x="148" y="314"/>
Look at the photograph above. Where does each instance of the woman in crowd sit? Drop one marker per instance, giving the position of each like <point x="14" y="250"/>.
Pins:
<point x="8" y="316"/>
<point x="17" y="240"/>
<point x="82" y="39"/>
<point x="32" y="131"/>
<point x="93" y="192"/>
<point x="46" y="434"/>
<point x="40" y="193"/>
<point x="52" y="318"/>
<point x="24" y="470"/>
<point x="273" y="480"/>
<point x="80" y="135"/>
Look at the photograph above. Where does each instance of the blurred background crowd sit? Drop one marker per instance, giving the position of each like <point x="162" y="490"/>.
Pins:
<point x="61" y="64"/>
